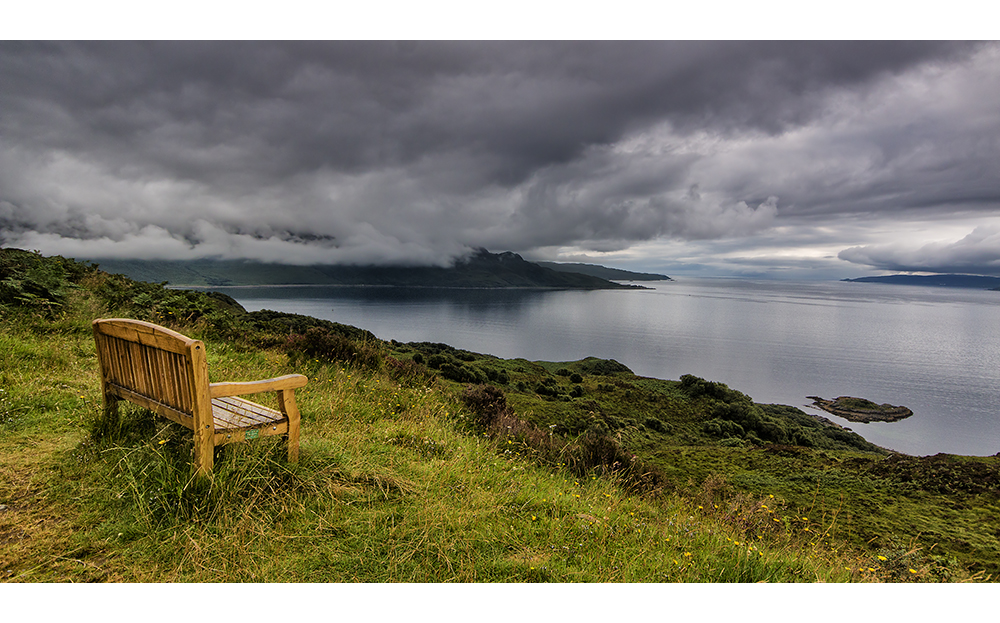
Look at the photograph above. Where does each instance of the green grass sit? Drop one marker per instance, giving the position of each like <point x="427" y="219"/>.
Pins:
<point x="405" y="477"/>
<point x="388" y="489"/>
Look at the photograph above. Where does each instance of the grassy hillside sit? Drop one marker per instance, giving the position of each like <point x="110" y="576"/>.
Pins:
<point x="425" y="463"/>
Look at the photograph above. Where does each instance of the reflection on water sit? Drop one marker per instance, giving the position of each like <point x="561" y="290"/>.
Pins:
<point x="481" y="299"/>
<point x="935" y="350"/>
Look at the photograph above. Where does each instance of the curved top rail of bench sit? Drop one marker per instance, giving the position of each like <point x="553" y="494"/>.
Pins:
<point x="146" y="333"/>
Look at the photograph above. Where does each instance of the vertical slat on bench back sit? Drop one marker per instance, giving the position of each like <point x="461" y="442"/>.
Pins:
<point x="148" y="360"/>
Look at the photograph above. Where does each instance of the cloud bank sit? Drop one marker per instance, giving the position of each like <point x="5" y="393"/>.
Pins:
<point x="658" y="154"/>
<point x="978" y="254"/>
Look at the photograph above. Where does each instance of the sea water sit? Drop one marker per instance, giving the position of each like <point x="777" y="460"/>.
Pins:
<point x="934" y="350"/>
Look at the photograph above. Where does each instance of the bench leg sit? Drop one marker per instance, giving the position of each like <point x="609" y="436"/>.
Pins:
<point x="110" y="424"/>
<point x="286" y="402"/>
<point x="204" y="450"/>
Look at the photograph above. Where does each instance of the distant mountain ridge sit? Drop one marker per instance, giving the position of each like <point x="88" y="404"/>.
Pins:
<point x="981" y="282"/>
<point x="482" y="269"/>
<point x="596" y="270"/>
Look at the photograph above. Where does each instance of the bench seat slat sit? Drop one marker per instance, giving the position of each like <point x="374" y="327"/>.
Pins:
<point x="234" y="413"/>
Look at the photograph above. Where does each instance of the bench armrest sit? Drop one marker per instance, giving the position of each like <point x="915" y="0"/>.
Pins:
<point x="289" y="381"/>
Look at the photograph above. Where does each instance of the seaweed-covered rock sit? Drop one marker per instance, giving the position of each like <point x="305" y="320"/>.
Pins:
<point x="861" y="410"/>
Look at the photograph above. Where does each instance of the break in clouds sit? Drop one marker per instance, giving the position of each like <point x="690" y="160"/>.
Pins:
<point x="749" y="157"/>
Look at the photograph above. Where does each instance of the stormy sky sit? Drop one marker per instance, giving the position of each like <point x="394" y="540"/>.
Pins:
<point x="774" y="159"/>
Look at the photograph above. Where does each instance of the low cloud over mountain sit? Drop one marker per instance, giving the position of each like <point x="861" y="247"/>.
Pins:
<point x="732" y="157"/>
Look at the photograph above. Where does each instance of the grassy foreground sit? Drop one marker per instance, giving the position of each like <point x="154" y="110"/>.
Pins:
<point x="412" y="473"/>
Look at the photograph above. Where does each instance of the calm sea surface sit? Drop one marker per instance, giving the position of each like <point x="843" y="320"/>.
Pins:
<point x="934" y="350"/>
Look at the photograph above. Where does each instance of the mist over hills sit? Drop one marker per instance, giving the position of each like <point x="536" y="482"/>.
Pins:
<point x="480" y="270"/>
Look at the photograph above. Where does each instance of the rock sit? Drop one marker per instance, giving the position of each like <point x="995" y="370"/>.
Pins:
<point x="861" y="410"/>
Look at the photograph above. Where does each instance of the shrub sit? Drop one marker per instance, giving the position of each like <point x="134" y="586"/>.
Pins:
<point x="27" y="279"/>
<point x="460" y="374"/>
<point x="597" y="449"/>
<point x="772" y="431"/>
<point x="695" y="387"/>
<point x="593" y="365"/>
<point x="486" y="402"/>
<point x="575" y="378"/>
<point x="545" y="390"/>
<point x="407" y="373"/>
<point x="722" y="428"/>
<point x="655" y="424"/>
<point x="594" y="449"/>
<point x="319" y="343"/>
<point x="741" y="412"/>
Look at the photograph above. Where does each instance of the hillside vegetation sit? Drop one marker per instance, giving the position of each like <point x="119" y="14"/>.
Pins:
<point x="421" y="462"/>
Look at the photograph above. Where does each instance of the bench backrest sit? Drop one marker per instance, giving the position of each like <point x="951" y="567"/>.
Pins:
<point x="154" y="367"/>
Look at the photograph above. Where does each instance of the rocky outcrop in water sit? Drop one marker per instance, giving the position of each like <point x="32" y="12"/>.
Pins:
<point x="861" y="410"/>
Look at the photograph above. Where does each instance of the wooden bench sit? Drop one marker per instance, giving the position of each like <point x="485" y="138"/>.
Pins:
<point x="167" y="373"/>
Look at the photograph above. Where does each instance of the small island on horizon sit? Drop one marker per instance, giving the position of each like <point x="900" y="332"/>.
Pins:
<point x="980" y="282"/>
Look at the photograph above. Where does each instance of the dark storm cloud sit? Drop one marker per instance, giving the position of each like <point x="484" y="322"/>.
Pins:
<point x="357" y="105"/>
<point x="415" y="152"/>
